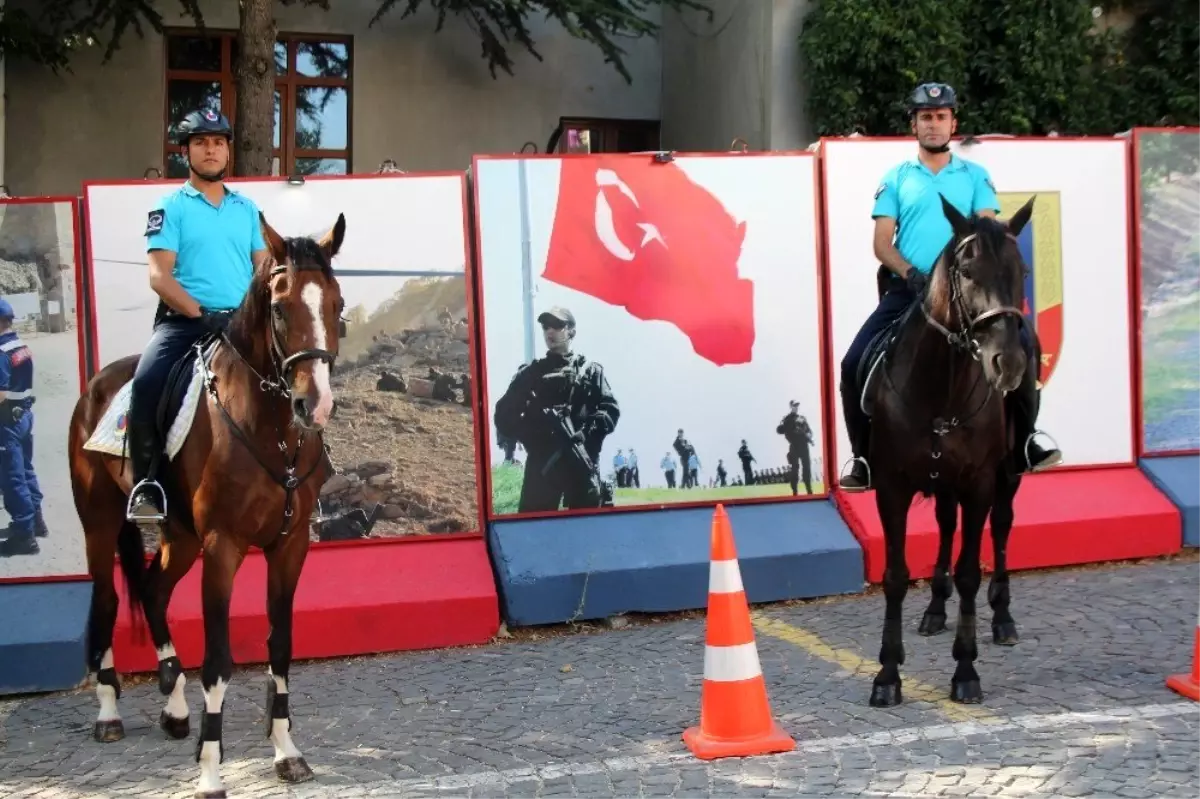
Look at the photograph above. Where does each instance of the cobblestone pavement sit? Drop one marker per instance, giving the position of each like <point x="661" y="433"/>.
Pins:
<point x="1077" y="708"/>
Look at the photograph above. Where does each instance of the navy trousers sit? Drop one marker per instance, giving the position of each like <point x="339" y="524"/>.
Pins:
<point x="173" y="336"/>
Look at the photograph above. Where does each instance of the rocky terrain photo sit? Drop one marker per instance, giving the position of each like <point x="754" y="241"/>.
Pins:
<point x="403" y="436"/>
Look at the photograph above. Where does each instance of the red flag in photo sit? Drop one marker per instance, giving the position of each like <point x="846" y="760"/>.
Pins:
<point x="642" y="235"/>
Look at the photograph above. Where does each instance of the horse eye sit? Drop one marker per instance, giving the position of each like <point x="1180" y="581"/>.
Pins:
<point x="966" y="273"/>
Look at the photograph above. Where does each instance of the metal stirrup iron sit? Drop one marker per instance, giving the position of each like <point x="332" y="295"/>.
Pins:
<point x="852" y="461"/>
<point x="155" y="517"/>
<point x="1029" y="443"/>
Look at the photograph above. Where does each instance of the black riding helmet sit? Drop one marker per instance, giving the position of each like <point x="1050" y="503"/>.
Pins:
<point x="932" y="95"/>
<point x="202" y="122"/>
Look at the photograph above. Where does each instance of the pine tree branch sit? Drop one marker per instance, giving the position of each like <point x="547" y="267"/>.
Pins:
<point x="501" y="23"/>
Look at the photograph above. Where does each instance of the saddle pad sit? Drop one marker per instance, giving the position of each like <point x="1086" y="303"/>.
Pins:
<point x="109" y="435"/>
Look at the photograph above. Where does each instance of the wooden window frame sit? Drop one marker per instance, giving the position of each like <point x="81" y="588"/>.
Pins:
<point x="285" y="84"/>
<point x="609" y="129"/>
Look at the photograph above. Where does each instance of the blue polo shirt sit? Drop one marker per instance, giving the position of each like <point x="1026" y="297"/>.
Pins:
<point x="909" y="194"/>
<point x="212" y="243"/>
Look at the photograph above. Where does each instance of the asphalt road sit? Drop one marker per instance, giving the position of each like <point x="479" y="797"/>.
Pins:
<point x="1077" y="708"/>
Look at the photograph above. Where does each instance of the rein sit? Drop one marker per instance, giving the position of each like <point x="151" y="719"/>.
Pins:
<point x="277" y="386"/>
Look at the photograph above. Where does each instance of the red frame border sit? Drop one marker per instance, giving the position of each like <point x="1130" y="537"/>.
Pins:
<point x="80" y="321"/>
<point x="649" y="507"/>
<point x="1135" y="206"/>
<point x="472" y="360"/>
<point x="832" y="402"/>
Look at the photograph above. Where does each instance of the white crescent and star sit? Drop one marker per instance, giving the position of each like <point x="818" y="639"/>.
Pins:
<point x="606" y="231"/>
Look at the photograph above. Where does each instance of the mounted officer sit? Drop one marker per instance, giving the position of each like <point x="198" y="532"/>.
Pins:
<point x="204" y="241"/>
<point x="22" y="495"/>
<point x="911" y="231"/>
<point x="561" y="409"/>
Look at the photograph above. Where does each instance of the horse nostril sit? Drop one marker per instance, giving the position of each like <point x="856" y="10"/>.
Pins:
<point x="996" y="363"/>
<point x="300" y="407"/>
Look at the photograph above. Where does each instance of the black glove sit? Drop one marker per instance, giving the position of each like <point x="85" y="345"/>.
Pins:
<point x="215" y="321"/>
<point x="916" y="281"/>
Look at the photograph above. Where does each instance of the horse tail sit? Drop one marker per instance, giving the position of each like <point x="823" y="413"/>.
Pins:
<point x="133" y="568"/>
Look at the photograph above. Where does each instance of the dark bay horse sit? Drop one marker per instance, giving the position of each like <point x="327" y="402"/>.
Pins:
<point x="248" y="474"/>
<point x="940" y="428"/>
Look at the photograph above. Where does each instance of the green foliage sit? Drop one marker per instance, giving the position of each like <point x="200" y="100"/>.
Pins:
<point x="1022" y="67"/>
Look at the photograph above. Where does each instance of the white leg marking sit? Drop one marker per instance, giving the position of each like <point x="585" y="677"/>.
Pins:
<point x="312" y="296"/>
<point x="176" y="703"/>
<point x="284" y="748"/>
<point x="106" y="693"/>
<point x="210" y="752"/>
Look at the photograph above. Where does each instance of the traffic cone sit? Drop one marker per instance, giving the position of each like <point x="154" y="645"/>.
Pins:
<point x="735" y="715"/>
<point x="1189" y="684"/>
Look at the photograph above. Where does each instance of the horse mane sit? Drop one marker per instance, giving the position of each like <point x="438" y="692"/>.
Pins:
<point x="991" y="235"/>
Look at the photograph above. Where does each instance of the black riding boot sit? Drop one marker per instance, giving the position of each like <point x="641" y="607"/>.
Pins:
<point x="146" y="499"/>
<point x="1024" y="404"/>
<point x="859" y="478"/>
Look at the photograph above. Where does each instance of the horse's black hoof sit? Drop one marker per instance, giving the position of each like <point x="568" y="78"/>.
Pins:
<point x="293" y="769"/>
<point x="967" y="692"/>
<point x="885" y="695"/>
<point x="1005" y="633"/>
<point x="107" y="732"/>
<point x="932" y="623"/>
<point x="173" y="727"/>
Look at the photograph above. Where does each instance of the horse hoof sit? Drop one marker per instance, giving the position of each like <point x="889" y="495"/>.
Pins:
<point x="107" y="732"/>
<point x="1005" y="634"/>
<point x="885" y="695"/>
<point x="967" y="692"/>
<point x="932" y="623"/>
<point x="173" y="727"/>
<point x="293" y="769"/>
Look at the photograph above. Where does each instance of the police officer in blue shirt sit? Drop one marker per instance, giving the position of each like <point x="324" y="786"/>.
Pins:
<point x="204" y="241"/>
<point x="19" y="483"/>
<point x="911" y="230"/>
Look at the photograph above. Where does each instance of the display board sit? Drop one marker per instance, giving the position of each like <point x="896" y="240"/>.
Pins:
<point x="693" y="287"/>
<point x="1168" y="256"/>
<point x="1077" y="248"/>
<point x="39" y="275"/>
<point x="403" y="437"/>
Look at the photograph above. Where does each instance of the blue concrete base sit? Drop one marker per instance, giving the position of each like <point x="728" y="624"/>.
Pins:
<point x="1179" y="478"/>
<point x="588" y="567"/>
<point x="43" y="636"/>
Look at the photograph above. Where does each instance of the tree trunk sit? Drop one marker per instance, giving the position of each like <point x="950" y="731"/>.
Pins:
<point x="254" y="124"/>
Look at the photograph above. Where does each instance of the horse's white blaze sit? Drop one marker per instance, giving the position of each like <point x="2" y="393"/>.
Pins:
<point x="106" y="693"/>
<point x="210" y="751"/>
<point x="312" y="296"/>
<point x="280" y="736"/>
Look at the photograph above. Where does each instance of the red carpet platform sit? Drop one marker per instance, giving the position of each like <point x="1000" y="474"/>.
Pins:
<point x="1061" y="518"/>
<point x="353" y="599"/>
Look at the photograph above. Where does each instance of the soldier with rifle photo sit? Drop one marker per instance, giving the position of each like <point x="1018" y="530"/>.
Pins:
<point x="560" y="409"/>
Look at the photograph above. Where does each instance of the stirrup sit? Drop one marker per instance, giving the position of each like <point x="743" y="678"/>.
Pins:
<point x="1051" y="461"/>
<point x="856" y="489"/>
<point x="154" y="518"/>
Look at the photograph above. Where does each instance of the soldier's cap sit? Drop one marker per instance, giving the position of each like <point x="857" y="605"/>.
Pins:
<point x="795" y="403"/>
<point x="558" y="313"/>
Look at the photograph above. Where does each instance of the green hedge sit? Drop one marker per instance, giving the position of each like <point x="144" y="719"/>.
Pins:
<point x="1024" y="67"/>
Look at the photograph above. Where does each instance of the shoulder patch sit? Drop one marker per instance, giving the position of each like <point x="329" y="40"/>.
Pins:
<point x="154" y="222"/>
<point x="988" y="181"/>
<point x="879" y="191"/>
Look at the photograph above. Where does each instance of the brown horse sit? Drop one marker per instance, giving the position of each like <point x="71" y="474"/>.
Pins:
<point x="248" y="474"/>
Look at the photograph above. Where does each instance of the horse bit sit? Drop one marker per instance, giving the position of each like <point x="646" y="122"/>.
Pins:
<point x="283" y="365"/>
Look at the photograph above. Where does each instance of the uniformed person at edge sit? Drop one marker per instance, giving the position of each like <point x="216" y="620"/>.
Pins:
<point x="204" y="240"/>
<point x="795" y="429"/>
<point x="22" y="495"/>
<point x="911" y="230"/>
<point x="561" y="380"/>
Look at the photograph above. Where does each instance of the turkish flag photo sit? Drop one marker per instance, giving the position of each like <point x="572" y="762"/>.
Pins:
<point x="642" y="235"/>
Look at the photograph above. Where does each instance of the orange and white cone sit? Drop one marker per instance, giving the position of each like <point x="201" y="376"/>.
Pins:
<point x="1189" y="684"/>
<point x="735" y="714"/>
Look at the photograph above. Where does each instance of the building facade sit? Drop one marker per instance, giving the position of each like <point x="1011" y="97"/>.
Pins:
<point x="350" y="95"/>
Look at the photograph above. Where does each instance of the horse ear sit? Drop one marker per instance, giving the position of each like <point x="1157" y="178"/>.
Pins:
<point x="961" y="226"/>
<point x="274" y="240"/>
<point x="1021" y="218"/>
<point x="331" y="242"/>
